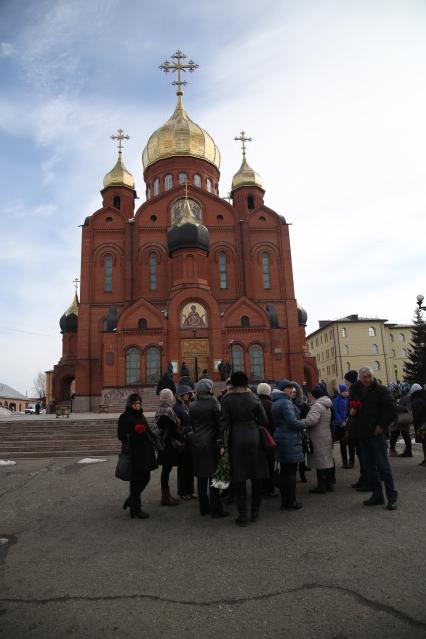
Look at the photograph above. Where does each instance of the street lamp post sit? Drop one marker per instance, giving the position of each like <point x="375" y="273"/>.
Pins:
<point x="420" y="299"/>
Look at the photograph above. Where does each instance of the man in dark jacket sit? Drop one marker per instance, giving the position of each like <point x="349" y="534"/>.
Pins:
<point x="166" y="381"/>
<point x="418" y="406"/>
<point x="372" y="410"/>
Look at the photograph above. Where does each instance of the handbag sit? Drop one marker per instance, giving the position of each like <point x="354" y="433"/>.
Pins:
<point x="308" y="447"/>
<point x="267" y="442"/>
<point x="123" y="470"/>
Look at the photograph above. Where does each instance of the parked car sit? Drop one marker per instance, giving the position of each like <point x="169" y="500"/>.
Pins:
<point x="30" y="409"/>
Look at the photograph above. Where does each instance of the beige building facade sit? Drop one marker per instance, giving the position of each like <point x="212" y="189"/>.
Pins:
<point x="353" y="342"/>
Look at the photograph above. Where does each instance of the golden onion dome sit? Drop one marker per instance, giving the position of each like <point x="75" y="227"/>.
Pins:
<point x="119" y="176"/>
<point x="180" y="136"/>
<point x="245" y="176"/>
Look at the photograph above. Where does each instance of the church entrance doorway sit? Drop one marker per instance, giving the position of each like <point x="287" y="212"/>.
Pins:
<point x="195" y="354"/>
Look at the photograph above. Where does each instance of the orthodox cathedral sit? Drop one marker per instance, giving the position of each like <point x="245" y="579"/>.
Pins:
<point x="187" y="277"/>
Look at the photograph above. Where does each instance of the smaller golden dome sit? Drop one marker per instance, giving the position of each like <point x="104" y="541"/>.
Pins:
<point x="119" y="176"/>
<point x="245" y="176"/>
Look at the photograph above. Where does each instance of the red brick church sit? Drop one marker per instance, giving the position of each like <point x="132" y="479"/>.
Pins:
<point x="186" y="277"/>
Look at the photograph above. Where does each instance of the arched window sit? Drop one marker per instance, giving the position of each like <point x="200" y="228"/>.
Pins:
<point x="197" y="180"/>
<point x="142" y="325"/>
<point x="116" y="202"/>
<point x="183" y="178"/>
<point x="133" y="365"/>
<point x="168" y="182"/>
<point x="153" y="365"/>
<point x="346" y="349"/>
<point x="256" y="361"/>
<point x="152" y="272"/>
<point x="237" y="357"/>
<point x="108" y="273"/>
<point x="392" y="352"/>
<point x="245" y="321"/>
<point x="148" y="193"/>
<point x="376" y="366"/>
<point x="223" y="276"/>
<point x="266" y="270"/>
<point x="401" y="337"/>
<point x="403" y="352"/>
<point x="209" y="185"/>
<point x="250" y="202"/>
<point x="374" y="348"/>
<point x="156" y="186"/>
<point x="372" y="331"/>
<point x="343" y="332"/>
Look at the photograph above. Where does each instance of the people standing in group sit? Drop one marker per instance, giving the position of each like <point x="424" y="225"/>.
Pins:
<point x="318" y="422"/>
<point x="418" y="407"/>
<point x="340" y="405"/>
<point x="288" y="437"/>
<point x="372" y="410"/>
<point x="264" y="393"/>
<point x="166" y="381"/>
<point x="242" y="414"/>
<point x="206" y="444"/>
<point x="134" y="433"/>
<point x="185" y="474"/>
<point x="173" y="442"/>
<point x="301" y="402"/>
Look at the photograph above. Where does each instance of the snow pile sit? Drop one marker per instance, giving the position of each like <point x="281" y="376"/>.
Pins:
<point x="7" y="462"/>
<point x="91" y="460"/>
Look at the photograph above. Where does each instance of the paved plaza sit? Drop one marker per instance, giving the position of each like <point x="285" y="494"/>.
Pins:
<point x="73" y="564"/>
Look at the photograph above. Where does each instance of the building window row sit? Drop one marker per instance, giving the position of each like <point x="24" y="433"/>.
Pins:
<point x="152" y="365"/>
<point x="155" y="189"/>
<point x="255" y="356"/>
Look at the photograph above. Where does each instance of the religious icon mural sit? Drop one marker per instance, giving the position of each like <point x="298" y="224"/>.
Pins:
<point x="177" y="210"/>
<point x="194" y="315"/>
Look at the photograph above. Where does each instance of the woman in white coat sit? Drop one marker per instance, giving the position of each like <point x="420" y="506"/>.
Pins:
<point x="318" y="422"/>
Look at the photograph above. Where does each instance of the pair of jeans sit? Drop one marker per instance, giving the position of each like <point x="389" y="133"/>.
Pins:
<point x="378" y="467"/>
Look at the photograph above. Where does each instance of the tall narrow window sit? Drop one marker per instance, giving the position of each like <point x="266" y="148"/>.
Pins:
<point x="197" y="180"/>
<point x="374" y="348"/>
<point x="108" y="273"/>
<point x="148" y="193"/>
<point x="245" y="321"/>
<point x="209" y="185"/>
<point x="346" y="349"/>
<point x="401" y="337"/>
<point x="183" y="178"/>
<point x="156" y="186"/>
<point x="250" y="202"/>
<point x="372" y="331"/>
<point x="376" y="366"/>
<point x="168" y="182"/>
<point x="266" y="270"/>
<point x="152" y="272"/>
<point x="133" y="365"/>
<point x="116" y="202"/>
<point x="223" y="276"/>
<point x="142" y="325"/>
<point x="153" y="365"/>
<point x="343" y="332"/>
<point x="256" y="361"/>
<point x="237" y="357"/>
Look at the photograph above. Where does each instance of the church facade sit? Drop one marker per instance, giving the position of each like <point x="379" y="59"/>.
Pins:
<point x="186" y="277"/>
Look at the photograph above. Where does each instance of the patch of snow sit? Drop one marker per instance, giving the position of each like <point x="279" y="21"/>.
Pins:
<point x="7" y="462"/>
<point x="3" y="541"/>
<point x="91" y="460"/>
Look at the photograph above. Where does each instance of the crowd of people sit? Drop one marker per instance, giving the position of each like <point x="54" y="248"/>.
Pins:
<point x="268" y="436"/>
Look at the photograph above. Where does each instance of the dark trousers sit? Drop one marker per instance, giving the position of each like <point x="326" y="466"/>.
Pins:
<point x="138" y="482"/>
<point x="406" y="436"/>
<point x="268" y="484"/>
<point x="212" y="504"/>
<point x="378" y="467"/>
<point x="185" y="473"/>
<point x="288" y="484"/>
<point x="166" y="469"/>
<point x="240" y="492"/>
<point x="363" y="473"/>
<point x="345" y="446"/>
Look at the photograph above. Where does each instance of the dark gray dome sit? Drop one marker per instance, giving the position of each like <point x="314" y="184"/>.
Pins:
<point x="302" y="316"/>
<point x="188" y="236"/>
<point x="69" y="320"/>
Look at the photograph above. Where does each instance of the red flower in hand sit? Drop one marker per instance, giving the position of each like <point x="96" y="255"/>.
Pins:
<point x="355" y="404"/>
<point x="140" y="428"/>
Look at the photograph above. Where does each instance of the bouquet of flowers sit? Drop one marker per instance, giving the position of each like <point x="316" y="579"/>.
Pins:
<point x="354" y="406"/>
<point x="222" y="476"/>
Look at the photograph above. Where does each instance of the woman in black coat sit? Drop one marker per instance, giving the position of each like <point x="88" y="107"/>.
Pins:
<point x="133" y="431"/>
<point x="242" y="414"/>
<point x="173" y="440"/>
<point x="264" y="393"/>
<point x="206" y="443"/>
<point x="185" y="473"/>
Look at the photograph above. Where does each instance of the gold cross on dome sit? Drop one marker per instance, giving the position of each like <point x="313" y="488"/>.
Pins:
<point x="243" y="139"/>
<point x="180" y="67"/>
<point x="120" y="136"/>
<point x="76" y="282"/>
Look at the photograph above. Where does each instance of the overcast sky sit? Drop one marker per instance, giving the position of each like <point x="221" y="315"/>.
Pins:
<point x="332" y="92"/>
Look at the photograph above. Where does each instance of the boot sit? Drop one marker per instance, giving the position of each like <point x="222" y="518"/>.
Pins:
<point x="321" y="488"/>
<point x="139" y="514"/>
<point x="126" y="503"/>
<point x="328" y="480"/>
<point x="255" y="503"/>
<point x="242" y="510"/>
<point x="167" y="499"/>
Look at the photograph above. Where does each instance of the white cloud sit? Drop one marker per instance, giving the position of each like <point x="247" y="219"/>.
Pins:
<point x="7" y="49"/>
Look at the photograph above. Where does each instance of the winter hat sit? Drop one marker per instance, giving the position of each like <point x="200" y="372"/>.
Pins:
<point x="204" y="386"/>
<point x="134" y="397"/>
<point x="283" y="383"/>
<point x="166" y="396"/>
<point x="264" y="389"/>
<point x="415" y="388"/>
<point x="351" y="376"/>
<point x="318" y="391"/>
<point x="239" y="378"/>
<point x="342" y="388"/>
<point x="405" y="388"/>
<point x="182" y="389"/>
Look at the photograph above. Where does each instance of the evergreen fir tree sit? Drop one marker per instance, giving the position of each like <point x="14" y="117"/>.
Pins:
<point x="415" y="367"/>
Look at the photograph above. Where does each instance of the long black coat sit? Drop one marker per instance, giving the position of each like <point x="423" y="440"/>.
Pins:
<point x="378" y="408"/>
<point x="242" y="414"/>
<point x="171" y="435"/>
<point x="206" y="431"/>
<point x="141" y="448"/>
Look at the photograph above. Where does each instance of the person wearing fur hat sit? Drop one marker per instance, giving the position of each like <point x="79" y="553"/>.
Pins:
<point x="133" y="431"/>
<point x="185" y="473"/>
<point x="418" y="406"/>
<point x="263" y="391"/>
<point x="340" y="405"/>
<point x="317" y="422"/>
<point x="242" y="414"/>
<point x="173" y="440"/>
<point x="206" y="441"/>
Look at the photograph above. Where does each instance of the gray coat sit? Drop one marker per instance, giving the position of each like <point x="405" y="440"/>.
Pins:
<point x="318" y="423"/>
<point x="204" y="414"/>
<point x="242" y="414"/>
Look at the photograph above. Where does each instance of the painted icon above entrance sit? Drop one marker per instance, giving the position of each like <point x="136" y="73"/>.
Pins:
<point x="194" y="315"/>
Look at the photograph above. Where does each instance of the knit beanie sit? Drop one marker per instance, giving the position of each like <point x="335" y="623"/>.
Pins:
<point x="204" y="386"/>
<point x="342" y="388"/>
<point x="239" y="378"/>
<point x="283" y="383"/>
<point x="415" y="388"/>
<point x="166" y="396"/>
<point x="264" y="389"/>
<point x="351" y="376"/>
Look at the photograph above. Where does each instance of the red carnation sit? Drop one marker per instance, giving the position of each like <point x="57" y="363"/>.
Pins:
<point x="355" y="404"/>
<point x="140" y="428"/>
